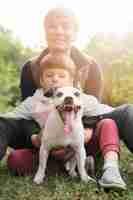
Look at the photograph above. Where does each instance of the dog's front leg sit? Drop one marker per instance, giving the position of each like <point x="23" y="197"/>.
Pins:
<point x="43" y="157"/>
<point x="71" y="167"/>
<point x="81" y="158"/>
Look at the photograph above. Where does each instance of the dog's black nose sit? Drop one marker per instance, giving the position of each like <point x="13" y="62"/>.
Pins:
<point x="68" y="100"/>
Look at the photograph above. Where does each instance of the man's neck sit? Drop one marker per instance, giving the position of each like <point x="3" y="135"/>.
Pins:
<point x="65" y="52"/>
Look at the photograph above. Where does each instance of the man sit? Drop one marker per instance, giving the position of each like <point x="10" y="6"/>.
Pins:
<point x="61" y="29"/>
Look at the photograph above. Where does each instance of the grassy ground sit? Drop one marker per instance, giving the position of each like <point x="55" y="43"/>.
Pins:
<point x="63" y="187"/>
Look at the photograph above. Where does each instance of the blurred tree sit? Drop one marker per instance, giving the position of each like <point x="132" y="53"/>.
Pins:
<point x="115" y="54"/>
<point x="12" y="55"/>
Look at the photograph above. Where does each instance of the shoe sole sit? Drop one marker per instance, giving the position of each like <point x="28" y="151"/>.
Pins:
<point x="112" y="185"/>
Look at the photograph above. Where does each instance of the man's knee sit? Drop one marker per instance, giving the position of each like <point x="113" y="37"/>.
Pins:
<point x="22" y="162"/>
<point x="3" y="148"/>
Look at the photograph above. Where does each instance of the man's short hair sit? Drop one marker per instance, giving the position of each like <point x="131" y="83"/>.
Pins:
<point x="62" y="11"/>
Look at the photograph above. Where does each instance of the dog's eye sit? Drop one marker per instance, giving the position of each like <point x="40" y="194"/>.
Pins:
<point x="77" y="94"/>
<point x="59" y="94"/>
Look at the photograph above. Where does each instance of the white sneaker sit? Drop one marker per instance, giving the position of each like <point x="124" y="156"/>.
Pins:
<point x="111" y="178"/>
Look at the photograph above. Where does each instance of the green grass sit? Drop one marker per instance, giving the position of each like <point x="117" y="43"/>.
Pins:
<point x="63" y="187"/>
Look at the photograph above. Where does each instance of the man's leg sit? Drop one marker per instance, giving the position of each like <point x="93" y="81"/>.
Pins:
<point x="23" y="161"/>
<point x="123" y="116"/>
<point x="8" y="134"/>
<point x="17" y="134"/>
<point x="107" y="133"/>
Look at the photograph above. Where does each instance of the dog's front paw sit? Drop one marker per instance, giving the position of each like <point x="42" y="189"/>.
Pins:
<point x="73" y="173"/>
<point x="38" y="179"/>
<point x="87" y="179"/>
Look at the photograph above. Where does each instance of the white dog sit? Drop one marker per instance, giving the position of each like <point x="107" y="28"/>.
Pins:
<point x="64" y="127"/>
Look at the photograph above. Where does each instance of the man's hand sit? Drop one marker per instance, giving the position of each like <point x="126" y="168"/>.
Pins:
<point x="88" y="134"/>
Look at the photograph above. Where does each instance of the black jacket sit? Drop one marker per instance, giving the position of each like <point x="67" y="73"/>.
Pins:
<point x="93" y="84"/>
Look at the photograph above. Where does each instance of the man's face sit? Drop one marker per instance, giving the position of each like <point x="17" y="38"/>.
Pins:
<point x="60" y="32"/>
<point x="56" y="78"/>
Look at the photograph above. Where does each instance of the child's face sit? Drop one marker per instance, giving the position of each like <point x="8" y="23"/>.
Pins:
<point x="55" y="78"/>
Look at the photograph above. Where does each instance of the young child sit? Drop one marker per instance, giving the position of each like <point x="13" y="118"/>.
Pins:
<point x="60" y="71"/>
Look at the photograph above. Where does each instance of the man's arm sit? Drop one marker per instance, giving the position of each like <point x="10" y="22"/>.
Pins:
<point x="90" y="105"/>
<point x="94" y="81"/>
<point x="23" y="111"/>
<point x="27" y="84"/>
<point x="90" y="73"/>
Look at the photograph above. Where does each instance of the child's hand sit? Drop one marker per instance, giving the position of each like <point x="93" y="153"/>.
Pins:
<point x="88" y="134"/>
<point x="36" y="140"/>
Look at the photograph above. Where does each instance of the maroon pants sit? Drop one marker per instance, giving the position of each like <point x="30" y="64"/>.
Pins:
<point x="105" y="139"/>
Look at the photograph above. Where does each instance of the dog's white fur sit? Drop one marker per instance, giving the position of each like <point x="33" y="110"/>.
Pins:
<point x="53" y="134"/>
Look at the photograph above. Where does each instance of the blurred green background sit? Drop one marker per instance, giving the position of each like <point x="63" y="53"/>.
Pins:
<point x="114" y="54"/>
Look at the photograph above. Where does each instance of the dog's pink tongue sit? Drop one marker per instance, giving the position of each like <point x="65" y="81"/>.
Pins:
<point x="67" y="123"/>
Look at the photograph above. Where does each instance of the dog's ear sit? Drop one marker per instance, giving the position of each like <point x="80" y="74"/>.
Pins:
<point x="50" y="92"/>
